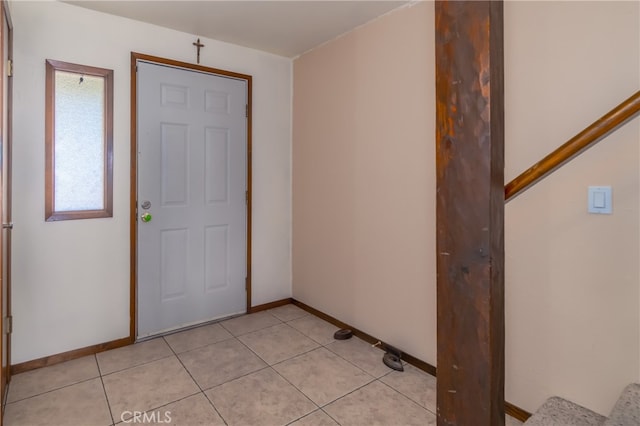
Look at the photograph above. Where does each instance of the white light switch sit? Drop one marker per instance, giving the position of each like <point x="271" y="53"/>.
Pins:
<point x="600" y="200"/>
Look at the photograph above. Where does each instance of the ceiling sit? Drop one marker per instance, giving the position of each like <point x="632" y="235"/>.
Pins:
<point x="285" y="28"/>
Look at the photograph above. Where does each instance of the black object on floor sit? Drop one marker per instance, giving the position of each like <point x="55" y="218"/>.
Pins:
<point x="392" y="358"/>
<point x="343" y="334"/>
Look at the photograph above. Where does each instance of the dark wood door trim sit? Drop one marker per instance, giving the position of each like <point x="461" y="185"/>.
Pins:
<point x="135" y="57"/>
<point x="470" y="212"/>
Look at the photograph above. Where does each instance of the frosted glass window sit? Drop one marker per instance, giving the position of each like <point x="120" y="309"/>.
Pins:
<point x="79" y="145"/>
<point x="79" y="141"/>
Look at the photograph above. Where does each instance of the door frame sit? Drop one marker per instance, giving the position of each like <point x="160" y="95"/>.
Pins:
<point x="133" y="230"/>
<point x="5" y="371"/>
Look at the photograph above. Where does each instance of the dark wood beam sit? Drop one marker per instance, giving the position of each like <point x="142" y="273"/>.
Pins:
<point x="470" y="212"/>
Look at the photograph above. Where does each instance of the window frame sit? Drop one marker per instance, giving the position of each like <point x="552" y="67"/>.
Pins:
<point x="51" y="214"/>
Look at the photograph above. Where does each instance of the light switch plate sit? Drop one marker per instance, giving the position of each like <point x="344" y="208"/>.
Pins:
<point x="600" y="200"/>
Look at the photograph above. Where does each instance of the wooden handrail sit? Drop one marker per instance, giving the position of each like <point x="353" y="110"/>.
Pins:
<point x="580" y="142"/>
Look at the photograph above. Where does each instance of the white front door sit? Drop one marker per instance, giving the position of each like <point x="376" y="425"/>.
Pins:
<point x="192" y="183"/>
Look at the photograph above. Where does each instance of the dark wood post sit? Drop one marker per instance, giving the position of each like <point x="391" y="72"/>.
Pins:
<point x="470" y="212"/>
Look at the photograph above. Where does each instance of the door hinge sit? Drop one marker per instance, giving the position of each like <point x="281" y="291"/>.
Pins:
<point x="246" y="197"/>
<point x="8" y="325"/>
<point x="246" y="110"/>
<point x="10" y="68"/>
<point x="246" y="283"/>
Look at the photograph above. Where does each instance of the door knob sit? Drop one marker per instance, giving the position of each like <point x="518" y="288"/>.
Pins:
<point x="146" y="217"/>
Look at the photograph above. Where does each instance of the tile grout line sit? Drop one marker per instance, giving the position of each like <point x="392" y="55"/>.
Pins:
<point x="291" y="357"/>
<point x="374" y="378"/>
<point x="194" y="381"/>
<point x="330" y="416"/>
<point x="172" y="353"/>
<point x="301" y="393"/>
<point x="321" y="408"/>
<point x="354" y="364"/>
<point x="408" y="397"/>
<point x="388" y="373"/>
<point x="53" y="390"/>
<point x="214" y="407"/>
<point x="142" y="363"/>
<point x="237" y="378"/>
<point x="270" y="366"/>
<point x="357" y="366"/>
<point x="298" y="310"/>
<point x="104" y="389"/>
<point x="253" y="331"/>
<point x="231" y="336"/>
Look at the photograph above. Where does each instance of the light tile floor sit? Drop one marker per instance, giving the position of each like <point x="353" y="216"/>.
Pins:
<point x="277" y="367"/>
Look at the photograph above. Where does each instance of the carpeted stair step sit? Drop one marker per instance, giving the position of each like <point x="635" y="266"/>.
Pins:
<point x="560" y="412"/>
<point x="626" y="412"/>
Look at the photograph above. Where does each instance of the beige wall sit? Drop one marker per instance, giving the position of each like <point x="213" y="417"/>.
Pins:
<point x="364" y="193"/>
<point x="364" y="179"/>
<point x="71" y="278"/>
<point x="571" y="278"/>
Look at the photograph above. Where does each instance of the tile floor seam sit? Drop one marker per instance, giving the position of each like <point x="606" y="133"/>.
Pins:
<point x="348" y="393"/>
<point x="236" y="378"/>
<point x="318" y="405"/>
<point x="406" y="396"/>
<point x="168" y="402"/>
<point x="285" y="379"/>
<point x="98" y="364"/>
<point x="111" y="420"/>
<point x="231" y="336"/>
<point x="305" y="334"/>
<point x="314" y="411"/>
<point x="202" y="391"/>
<point x="308" y="414"/>
<point x="286" y="359"/>
<point x="138" y="365"/>
<point x="198" y="325"/>
<point x="354" y="364"/>
<point x="185" y="367"/>
<point x="214" y="407"/>
<point x="306" y="352"/>
<point x="293" y="319"/>
<point x="296" y="356"/>
<point x="229" y="331"/>
<point x="302" y="313"/>
<point x="173" y="402"/>
<point x="299" y="390"/>
<point x="236" y="336"/>
<point x="385" y="375"/>
<point x="52" y="390"/>
<point x="106" y="397"/>
<point x="301" y="332"/>
<point x="266" y="328"/>
<point x="252" y="351"/>
<point x="331" y="417"/>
